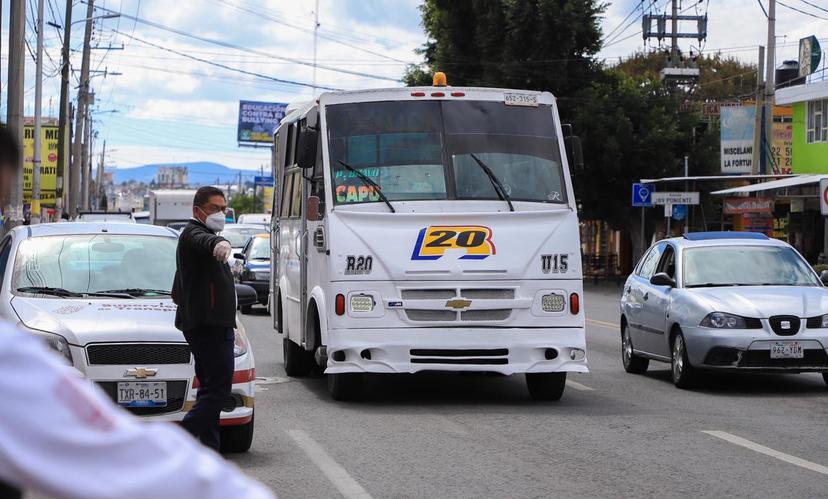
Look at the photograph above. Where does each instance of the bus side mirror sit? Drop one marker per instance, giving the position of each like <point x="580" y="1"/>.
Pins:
<point x="574" y="153"/>
<point x="306" y="149"/>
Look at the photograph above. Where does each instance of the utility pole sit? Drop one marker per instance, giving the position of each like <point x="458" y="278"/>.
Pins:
<point x="674" y="37"/>
<point x="14" y="118"/>
<point x="757" y="121"/>
<point x="83" y="90"/>
<point x="38" y="116"/>
<point x="99" y="177"/>
<point x="677" y="71"/>
<point x="87" y="157"/>
<point x="63" y="132"/>
<point x="770" y="66"/>
<point x="315" y="37"/>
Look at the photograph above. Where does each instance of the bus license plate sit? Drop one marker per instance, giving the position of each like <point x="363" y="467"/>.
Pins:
<point x="520" y="99"/>
<point x="142" y="394"/>
<point x="787" y="350"/>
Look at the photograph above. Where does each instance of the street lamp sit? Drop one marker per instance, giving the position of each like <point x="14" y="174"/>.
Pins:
<point x="95" y="18"/>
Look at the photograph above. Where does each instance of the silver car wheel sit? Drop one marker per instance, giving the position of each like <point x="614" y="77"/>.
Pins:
<point x="626" y="346"/>
<point x="678" y="357"/>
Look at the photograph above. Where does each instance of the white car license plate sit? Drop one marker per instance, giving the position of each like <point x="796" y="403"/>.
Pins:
<point x="142" y="393"/>
<point x="787" y="350"/>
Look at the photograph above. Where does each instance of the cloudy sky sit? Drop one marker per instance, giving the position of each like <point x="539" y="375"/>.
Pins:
<point x="164" y="107"/>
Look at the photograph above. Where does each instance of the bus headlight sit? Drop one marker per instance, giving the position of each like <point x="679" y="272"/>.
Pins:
<point x="362" y="303"/>
<point x="553" y="303"/>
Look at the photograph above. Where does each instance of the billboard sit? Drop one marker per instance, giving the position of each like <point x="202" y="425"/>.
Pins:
<point x="48" y="163"/>
<point x="782" y="147"/>
<point x="737" y="124"/>
<point x="258" y="121"/>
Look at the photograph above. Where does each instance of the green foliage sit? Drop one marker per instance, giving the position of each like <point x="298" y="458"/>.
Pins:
<point x="244" y="204"/>
<point x="820" y="268"/>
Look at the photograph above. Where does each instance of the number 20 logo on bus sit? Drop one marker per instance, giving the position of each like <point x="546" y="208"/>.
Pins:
<point x="433" y="241"/>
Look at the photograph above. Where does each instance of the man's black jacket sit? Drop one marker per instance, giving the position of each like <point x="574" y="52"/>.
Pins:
<point x="203" y="289"/>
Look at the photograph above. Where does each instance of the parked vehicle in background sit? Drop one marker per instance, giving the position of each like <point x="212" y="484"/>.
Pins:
<point x="427" y="229"/>
<point x="170" y="205"/>
<point x="253" y="267"/>
<point x="261" y="219"/>
<point x="230" y="215"/>
<point x="238" y="235"/>
<point x="725" y="301"/>
<point x="99" y="295"/>
<point x="105" y="216"/>
<point x="141" y="217"/>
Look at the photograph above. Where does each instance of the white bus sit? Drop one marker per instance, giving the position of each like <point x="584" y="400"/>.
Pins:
<point x="427" y="229"/>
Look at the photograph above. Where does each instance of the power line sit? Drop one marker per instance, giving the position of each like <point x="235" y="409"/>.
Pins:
<point x="224" y="66"/>
<point x="814" y="5"/>
<point x="245" y="49"/>
<point x="801" y="11"/>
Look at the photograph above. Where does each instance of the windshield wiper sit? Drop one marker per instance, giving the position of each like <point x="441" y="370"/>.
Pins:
<point x="46" y="290"/>
<point x="367" y="180"/>
<point x="138" y="291"/>
<point x="496" y="183"/>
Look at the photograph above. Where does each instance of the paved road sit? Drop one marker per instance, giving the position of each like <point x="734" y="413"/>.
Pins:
<point x="613" y="434"/>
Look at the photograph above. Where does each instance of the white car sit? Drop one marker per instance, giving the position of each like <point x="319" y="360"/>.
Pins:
<point x="99" y="295"/>
<point x="238" y="235"/>
<point x="260" y="219"/>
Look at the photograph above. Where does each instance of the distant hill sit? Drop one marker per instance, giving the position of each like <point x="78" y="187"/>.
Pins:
<point x="199" y="173"/>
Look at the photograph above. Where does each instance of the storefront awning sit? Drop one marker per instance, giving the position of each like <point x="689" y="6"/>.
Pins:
<point x="783" y="183"/>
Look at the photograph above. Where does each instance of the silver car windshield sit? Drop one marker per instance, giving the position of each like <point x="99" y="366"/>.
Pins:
<point x="92" y="263"/>
<point x="745" y="266"/>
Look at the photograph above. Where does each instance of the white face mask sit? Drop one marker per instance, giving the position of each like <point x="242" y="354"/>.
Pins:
<point x="214" y="222"/>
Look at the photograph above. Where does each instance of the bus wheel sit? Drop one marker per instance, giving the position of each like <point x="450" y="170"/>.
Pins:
<point x="297" y="360"/>
<point x="345" y="386"/>
<point x="546" y="386"/>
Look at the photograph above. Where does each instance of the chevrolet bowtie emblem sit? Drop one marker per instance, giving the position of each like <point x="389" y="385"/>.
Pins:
<point x="458" y="303"/>
<point x="141" y="372"/>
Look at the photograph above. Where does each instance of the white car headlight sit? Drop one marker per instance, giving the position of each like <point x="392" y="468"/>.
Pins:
<point x="55" y="341"/>
<point x="721" y="320"/>
<point x="240" y="343"/>
<point x="362" y="303"/>
<point x="553" y="303"/>
<point x="818" y="322"/>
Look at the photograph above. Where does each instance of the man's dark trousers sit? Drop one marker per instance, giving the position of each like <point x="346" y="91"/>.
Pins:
<point x="212" y="349"/>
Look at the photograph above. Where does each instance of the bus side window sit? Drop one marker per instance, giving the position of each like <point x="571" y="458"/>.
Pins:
<point x="287" y="183"/>
<point x="289" y="148"/>
<point x="296" y="195"/>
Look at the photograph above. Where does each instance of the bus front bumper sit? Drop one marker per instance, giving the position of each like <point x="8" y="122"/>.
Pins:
<point x="500" y="350"/>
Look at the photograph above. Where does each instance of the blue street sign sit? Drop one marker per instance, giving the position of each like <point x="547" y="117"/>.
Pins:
<point x="642" y="195"/>
<point x="679" y="211"/>
<point x="263" y="180"/>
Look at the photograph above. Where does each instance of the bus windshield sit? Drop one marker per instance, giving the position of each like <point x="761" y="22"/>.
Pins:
<point x="425" y="151"/>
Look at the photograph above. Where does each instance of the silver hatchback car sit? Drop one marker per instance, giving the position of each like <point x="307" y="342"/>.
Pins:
<point x="733" y="301"/>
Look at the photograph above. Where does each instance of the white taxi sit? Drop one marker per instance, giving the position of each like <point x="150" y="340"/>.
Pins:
<point x="99" y="295"/>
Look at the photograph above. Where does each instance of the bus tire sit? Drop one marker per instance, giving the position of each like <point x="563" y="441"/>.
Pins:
<point x="546" y="386"/>
<point x="345" y="386"/>
<point x="297" y="360"/>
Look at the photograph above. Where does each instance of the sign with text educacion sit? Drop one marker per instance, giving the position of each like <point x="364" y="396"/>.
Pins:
<point x="737" y="123"/>
<point x="48" y="163"/>
<point x="258" y="121"/>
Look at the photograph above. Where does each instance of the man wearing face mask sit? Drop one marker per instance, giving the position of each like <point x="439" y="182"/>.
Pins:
<point x="205" y="293"/>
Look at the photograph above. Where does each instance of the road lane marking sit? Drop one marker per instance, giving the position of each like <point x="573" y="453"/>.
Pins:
<point x="761" y="449"/>
<point x="578" y="386"/>
<point x="347" y="486"/>
<point x="607" y="325"/>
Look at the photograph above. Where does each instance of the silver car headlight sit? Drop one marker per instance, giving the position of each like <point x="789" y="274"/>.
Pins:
<point x="721" y="320"/>
<point x="240" y="343"/>
<point x="818" y="322"/>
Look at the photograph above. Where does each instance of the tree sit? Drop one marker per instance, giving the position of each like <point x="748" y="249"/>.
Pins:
<point x="527" y="44"/>
<point x="243" y="203"/>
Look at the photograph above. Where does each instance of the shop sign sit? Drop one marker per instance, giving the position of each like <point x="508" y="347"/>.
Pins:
<point x="739" y="206"/>
<point x="737" y="124"/>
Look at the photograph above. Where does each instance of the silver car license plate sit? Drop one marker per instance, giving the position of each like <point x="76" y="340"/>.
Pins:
<point x="142" y="393"/>
<point x="787" y="350"/>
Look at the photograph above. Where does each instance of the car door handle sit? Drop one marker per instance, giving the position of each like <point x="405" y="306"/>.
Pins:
<point x="646" y="296"/>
